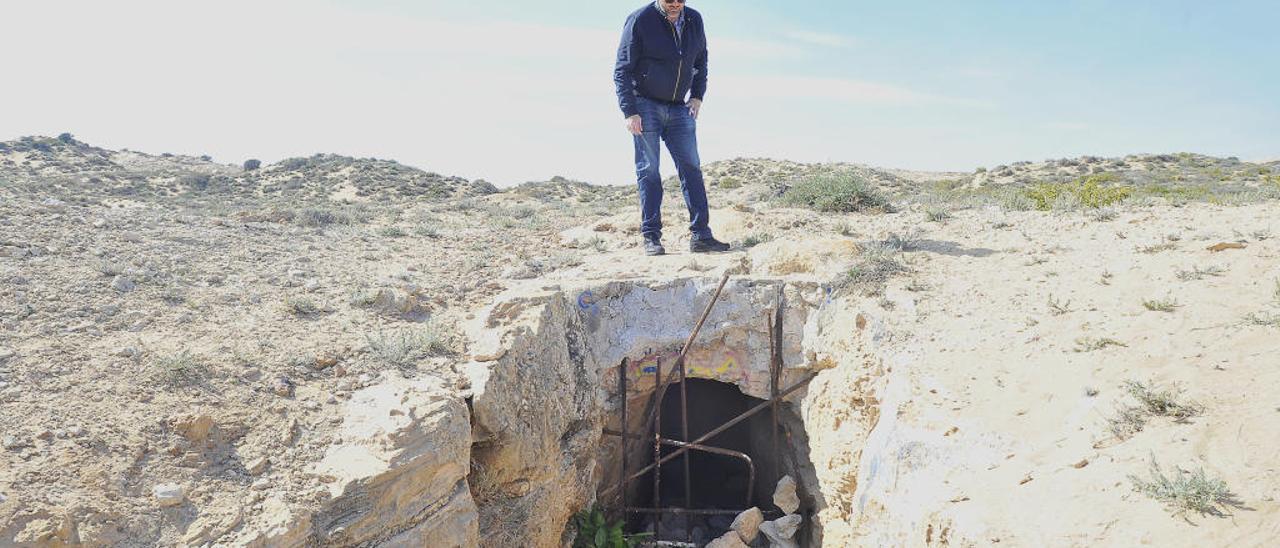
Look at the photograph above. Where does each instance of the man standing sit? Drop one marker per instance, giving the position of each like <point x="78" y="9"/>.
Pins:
<point x="661" y="59"/>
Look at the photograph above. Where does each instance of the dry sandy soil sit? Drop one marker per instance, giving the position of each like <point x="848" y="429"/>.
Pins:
<point x="179" y="339"/>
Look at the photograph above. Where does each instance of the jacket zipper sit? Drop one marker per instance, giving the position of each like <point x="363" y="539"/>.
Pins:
<point x="680" y="66"/>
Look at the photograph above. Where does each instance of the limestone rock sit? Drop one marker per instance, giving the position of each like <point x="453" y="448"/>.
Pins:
<point x="747" y="524"/>
<point x="784" y="495"/>
<point x="780" y="531"/>
<point x="729" y="540"/>
<point x="169" y="494"/>
<point x="397" y="478"/>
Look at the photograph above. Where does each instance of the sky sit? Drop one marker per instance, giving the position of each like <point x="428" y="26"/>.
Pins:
<point x="516" y="90"/>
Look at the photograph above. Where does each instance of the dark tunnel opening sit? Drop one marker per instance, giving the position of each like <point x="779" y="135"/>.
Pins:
<point x="716" y="481"/>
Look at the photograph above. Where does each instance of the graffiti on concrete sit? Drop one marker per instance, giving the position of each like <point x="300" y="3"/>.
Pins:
<point x="717" y="362"/>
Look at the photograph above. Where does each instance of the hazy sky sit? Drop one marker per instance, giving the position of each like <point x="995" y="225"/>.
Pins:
<point x="512" y="91"/>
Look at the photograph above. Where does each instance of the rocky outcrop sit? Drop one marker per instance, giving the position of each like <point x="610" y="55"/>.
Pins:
<point x="398" y="477"/>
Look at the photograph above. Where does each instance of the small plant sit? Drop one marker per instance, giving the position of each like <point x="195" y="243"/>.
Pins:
<point x="937" y="214"/>
<point x="1089" y="344"/>
<point x="838" y="193"/>
<point x="110" y="268"/>
<point x="403" y="348"/>
<point x="845" y="230"/>
<point x="1157" y="248"/>
<point x="1262" y="319"/>
<point x="1058" y="308"/>
<point x="1186" y="491"/>
<point x="1106" y="277"/>
<point x="1103" y="215"/>
<point x="1162" y="403"/>
<point x="756" y="239"/>
<point x="426" y="231"/>
<point x="1275" y="292"/>
<point x="303" y="306"/>
<point x="1127" y="421"/>
<point x="1161" y="305"/>
<point x="1197" y="273"/>
<point x="594" y="531"/>
<point x="1261" y="235"/>
<point x="392" y="232"/>
<point x="729" y="182"/>
<point x="320" y="217"/>
<point x="179" y="369"/>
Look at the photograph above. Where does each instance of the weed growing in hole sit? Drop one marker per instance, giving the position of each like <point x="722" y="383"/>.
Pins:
<point x="1197" y="273"/>
<point x="594" y="531"/>
<point x="756" y="239"/>
<point x="1161" y="305"/>
<point x="1058" y="308"/>
<point x="1106" y="277"/>
<point x="1162" y="403"/>
<point x="1186" y="491"/>
<point x="836" y="192"/>
<point x="1089" y="344"/>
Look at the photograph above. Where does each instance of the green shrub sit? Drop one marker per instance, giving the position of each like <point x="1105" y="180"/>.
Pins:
<point x="729" y="182"/>
<point x="1186" y="491"/>
<point x="1092" y="192"/>
<point x="836" y="192"/>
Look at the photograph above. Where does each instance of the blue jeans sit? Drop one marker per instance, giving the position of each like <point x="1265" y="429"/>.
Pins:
<point x="670" y="122"/>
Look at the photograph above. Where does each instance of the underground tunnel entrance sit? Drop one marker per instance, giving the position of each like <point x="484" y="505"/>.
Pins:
<point x="733" y="471"/>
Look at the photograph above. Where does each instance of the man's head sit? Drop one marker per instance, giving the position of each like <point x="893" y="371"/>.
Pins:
<point x="672" y="8"/>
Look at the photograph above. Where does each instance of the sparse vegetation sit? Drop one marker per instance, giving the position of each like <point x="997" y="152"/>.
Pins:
<point x="1160" y="305"/>
<point x="392" y="232"/>
<point x="1162" y="403"/>
<point x="729" y="182"/>
<point x="756" y="239"/>
<point x="1089" y="344"/>
<point x="1262" y="319"/>
<point x="836" y="193"/>
<point x="1186" y="491"/>
<point x="1057" y="307"/>
<point x="937" y="214"/>
<point x="404" y="347"/>
<point x="252" y="164"/>
<point x="1197" y="273"/>
<point x="179" y="369"/>
<point x="877" y="265"/>
<point x="303" y="306"/>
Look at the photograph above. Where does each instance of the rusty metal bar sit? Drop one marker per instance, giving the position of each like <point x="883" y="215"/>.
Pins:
<point x="657" y="454"/>
<point x="741" y="417"/>
<point x="751" y="467"/>
<point x="694" y="511"/>
<point x="622" y="390"/>
<point x="684" y="436"/>
<point x="776" y="378"/>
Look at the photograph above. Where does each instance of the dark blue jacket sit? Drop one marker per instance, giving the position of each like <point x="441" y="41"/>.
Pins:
<point x="652" y="63"/>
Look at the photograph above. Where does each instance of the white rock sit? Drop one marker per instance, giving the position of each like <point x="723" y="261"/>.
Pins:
<point x="169" y="494"/>
<point x="729" y="540"/>
<point x="747" y="524"/>
<point x="784" y="495"/>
